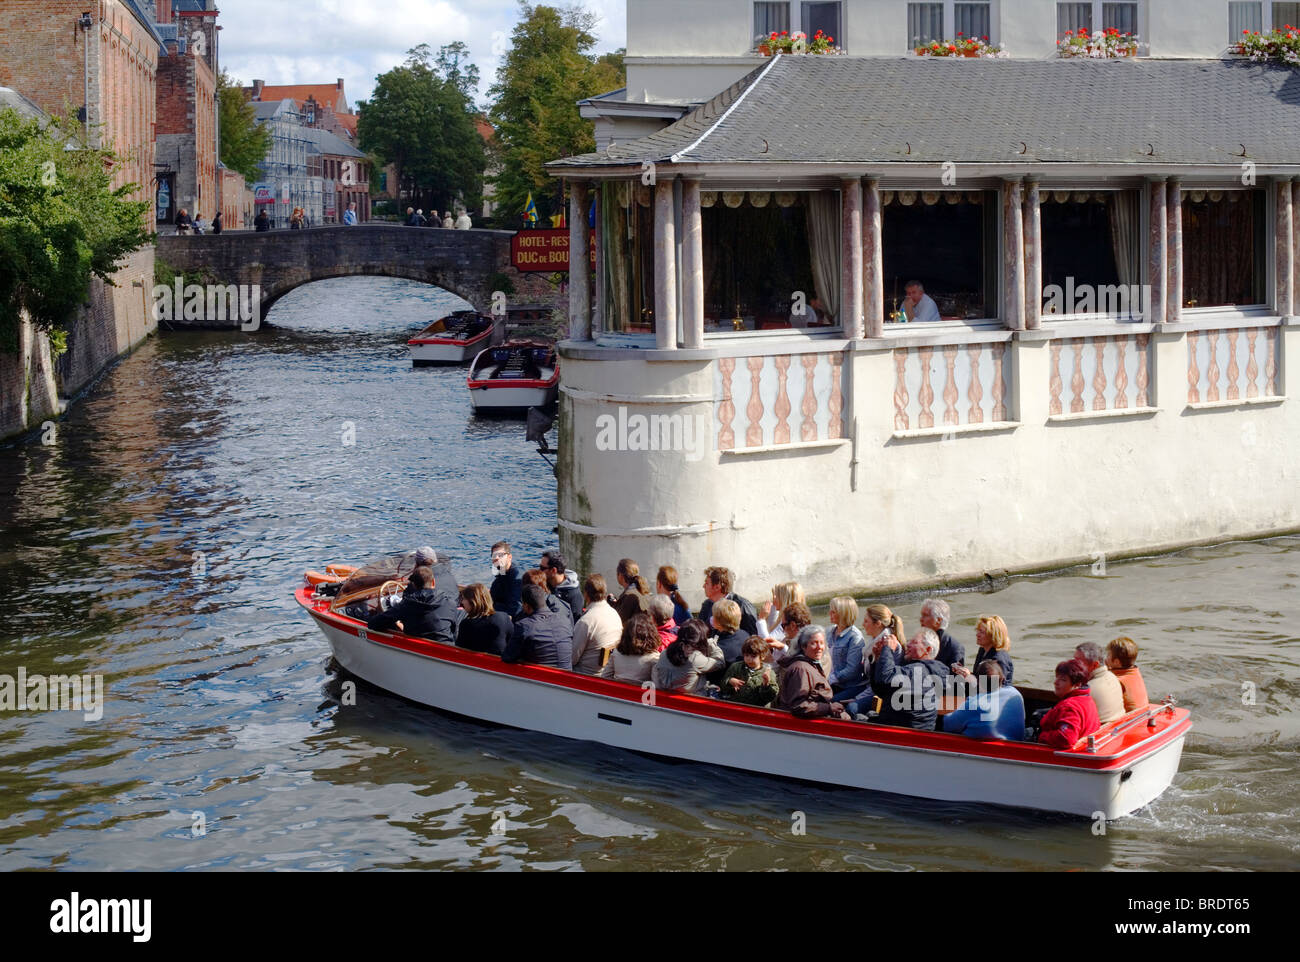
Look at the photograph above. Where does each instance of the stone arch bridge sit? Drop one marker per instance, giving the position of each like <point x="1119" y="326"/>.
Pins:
<point x="469" y="263"/>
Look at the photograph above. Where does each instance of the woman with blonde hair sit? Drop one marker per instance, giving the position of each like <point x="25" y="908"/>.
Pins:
<point x="879" y="624"/>
<point x="848" y="650"/>
<point x="770" y="613"/>
<point x="994" y="642"/>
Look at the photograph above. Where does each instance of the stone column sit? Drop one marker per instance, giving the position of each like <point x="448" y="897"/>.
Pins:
<point x="1013" y="267"/>
<point x="1158" y="263"/>
<point x="579" y="264"/>
<point x="851" y="258"/>
<point x="873" y="272"/>
<point x="598" y="295"/>
<point x="665" y="267"/>
<point x="1033" y="233"/>
<point x="692" y="266"/>
<point x="1174" y="255"/>
<point x="1285" y="249"/>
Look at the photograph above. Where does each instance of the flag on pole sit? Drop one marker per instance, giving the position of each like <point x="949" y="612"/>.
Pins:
<point x="530" y="210"/>
<point x="557" y="220"/>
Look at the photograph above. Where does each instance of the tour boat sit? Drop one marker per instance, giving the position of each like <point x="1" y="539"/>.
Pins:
<point x="1112" y="773"/>
<point x="453" y="339"/>
<point x="521" y="373"/>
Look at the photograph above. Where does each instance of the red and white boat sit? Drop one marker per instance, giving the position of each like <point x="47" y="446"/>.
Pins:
<point x="453" y="339"/>
<point x="521" y="373"/>
<point x="1118" y="770"/>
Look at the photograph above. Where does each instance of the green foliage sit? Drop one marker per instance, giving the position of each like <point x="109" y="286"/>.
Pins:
<point x="244" y="143"/>
<point x="421" y="120"/>
<point x="535" y="103"/>
<point x="61" y="222"/>
<point x="500" y="281"/>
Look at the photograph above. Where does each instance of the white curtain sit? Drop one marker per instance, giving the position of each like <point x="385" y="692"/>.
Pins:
<point x="1124" y="234"/>
<point x="924" y="23"/>
<point x="824" y="247"/>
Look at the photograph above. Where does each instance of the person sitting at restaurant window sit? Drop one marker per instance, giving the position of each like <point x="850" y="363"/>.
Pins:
<point x="804" y="690"/>
<point x="718" y="584"/>
<point x="726" y="622"/>
<point x="660" y="610"/>
<point x="770" y="612"/>
<point x="935" y="613"/>
<point x="1121" y="659"/>
<point x="666" y="584"/>
<point x="685" y="663"/>
<point x="562" y="582"/>
<point x="1105" y="688"/>
<point x="597" y="631"/>
<point x="423" y="612"/>
<point x="508" y="581"/>
<point x="634" y="658"/>
<point x="751" y="681"/>
<point x="995" y="710"/>
<point x="848" y="650"/>
<point x="909" y="683"/>
<point x="540" y="636"/>
<point x="918" y="306"/>
<point x="994" y="642"/>
<point x="484" y="628"/>
<point x="536" y="576"/>
<point x="1075" y="715"/>
<point x="636" y="590"/>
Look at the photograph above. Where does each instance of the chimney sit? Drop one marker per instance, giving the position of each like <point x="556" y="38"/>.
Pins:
<point x="340" y="83"/>
<point x="257" y="89"/>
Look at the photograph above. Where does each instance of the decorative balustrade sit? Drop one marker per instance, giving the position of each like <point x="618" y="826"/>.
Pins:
<point x="951" y="386"/>
<point x="1091" y="375"/>
<point x="1233" y="365"/>
<point x="778" y="401"/>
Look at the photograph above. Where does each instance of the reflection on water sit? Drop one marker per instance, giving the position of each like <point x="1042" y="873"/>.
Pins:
<point x="158" y="540"/>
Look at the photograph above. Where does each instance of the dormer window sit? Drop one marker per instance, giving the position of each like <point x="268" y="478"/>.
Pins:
<point x="770" y="18"/>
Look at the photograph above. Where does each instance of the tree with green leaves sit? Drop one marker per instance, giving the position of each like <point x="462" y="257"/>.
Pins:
<point x="61" y="223"/>
<point x="547" y="70"/>
<point x="420" y="120"/>
<point x="244" y="142"/>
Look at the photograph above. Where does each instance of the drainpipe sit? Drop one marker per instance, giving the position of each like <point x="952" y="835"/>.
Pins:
<point x="85" y="22"/>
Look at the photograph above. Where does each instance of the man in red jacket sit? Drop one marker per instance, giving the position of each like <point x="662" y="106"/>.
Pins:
<point x="1075" y="715"/>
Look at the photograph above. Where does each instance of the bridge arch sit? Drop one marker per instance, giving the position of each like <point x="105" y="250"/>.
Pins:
<point x="271" y="296"/>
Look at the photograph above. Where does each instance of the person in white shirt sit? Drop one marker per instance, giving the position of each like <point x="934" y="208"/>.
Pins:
<point x="598" y="631"/>
<point x="350" y="215"/>
<point x="463" y="222"/>
<point x="918" y="305"/>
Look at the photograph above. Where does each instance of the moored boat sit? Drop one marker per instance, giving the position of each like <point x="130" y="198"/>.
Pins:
<point x="1114" y="772"/>
<point x="518" y="374"/>
<point x="453" y="339"/>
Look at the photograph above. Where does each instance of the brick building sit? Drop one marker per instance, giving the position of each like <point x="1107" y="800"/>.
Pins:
<point x="187" y="133"/>
<point x="324" y="106"/>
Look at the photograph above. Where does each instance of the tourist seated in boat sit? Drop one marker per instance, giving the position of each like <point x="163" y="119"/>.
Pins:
<point x="1121" y="659"/>
<point x="996" y="710"/>
<point x="879" y="624"/>
<point x="508" y="581"/>
<point x="634" y="658"/>
<point x="935" y="613"/>
<point x="424" y="611"/>
<point x="768" y="621"/>
<point x="666" y="584"/>
<point x="1107" y="693"/>
<point x="563" y="583"/>
<point x="483" y="628"/>
<point x="805" y="691"/>
<point x="1075" y="715"/>
<point x="540" y="636"/>
<point x="536" y="576"/>
<point x="718" y="584"/>
<point x="598" y="630"/>
<point x="685" y="664"/>
<point x="993" y="641"/>
<point x="909" y="681"/>
<point x="660" y="610"/>
<point x="726" y="623"/>
<point x="848" y="650"/>
<point x="752" y="680"/>
<point x="636" y="590"/>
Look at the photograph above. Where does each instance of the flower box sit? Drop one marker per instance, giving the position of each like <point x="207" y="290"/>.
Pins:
<point x="1100" y="45"/>
<point x="961" y="47"/>
<point x="1277" y="46"/>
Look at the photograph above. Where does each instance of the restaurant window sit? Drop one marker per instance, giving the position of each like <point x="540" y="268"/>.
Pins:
<point x="1243" y="17"/>
<point x="924" y="24"/>
<point x="771" y="260"/>
<point x="824" y="17"/>
<point x="770" y="18"/>
<point x="1092" y="252"/>
<point x="1224" y="248"/>
<point x="973" y="20"/>
<point x="948" y="242"/>
<point x="628" y="238"/>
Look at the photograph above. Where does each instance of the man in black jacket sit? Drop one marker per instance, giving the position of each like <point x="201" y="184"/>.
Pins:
<point x="509" y="580"/>
<point x="540" y="636"/>
<point x="423" y="611"/>
<point x="563" y="583"/>
<point x="909" y="688"/>
<point x="717" y="585"/>
<point x="934" y="615"/>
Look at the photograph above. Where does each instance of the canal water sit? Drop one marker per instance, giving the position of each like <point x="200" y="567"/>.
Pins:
<point x="158" y="539"/>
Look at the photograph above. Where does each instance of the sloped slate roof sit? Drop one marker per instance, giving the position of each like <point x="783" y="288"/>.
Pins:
<point x="818" y="109"/>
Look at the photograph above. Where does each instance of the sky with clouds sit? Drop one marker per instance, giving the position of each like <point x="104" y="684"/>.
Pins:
<point x="318" y="41"/>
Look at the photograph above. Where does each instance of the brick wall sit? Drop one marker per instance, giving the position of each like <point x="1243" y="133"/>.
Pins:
<point x="187" y="130"/>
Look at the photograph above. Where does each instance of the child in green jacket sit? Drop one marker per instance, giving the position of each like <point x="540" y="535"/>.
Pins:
<point x="750" y="681"/>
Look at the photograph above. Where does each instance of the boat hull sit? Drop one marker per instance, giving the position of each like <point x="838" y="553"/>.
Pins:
<point x="426" y="351"/>
<point x="842" y="753"/>
<point x="498" y="397"/>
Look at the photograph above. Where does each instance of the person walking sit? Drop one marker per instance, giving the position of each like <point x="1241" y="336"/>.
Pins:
<point x="463" y="221"/>
<point x="261" y="223"/>
<point x="350" y="215"/>
<point x="216" y="223"/>
<point x="183" y="223"/>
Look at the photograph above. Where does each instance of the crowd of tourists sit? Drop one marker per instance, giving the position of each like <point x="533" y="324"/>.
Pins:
<point x="769" y="656"/>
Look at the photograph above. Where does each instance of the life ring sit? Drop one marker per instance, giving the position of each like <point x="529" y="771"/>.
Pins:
<point x="334" y="574"/>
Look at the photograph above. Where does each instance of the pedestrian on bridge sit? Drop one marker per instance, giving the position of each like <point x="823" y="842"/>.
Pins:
<point x="350" y="215"/>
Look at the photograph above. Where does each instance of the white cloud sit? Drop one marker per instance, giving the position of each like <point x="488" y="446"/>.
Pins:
<point x="284" y="42"/>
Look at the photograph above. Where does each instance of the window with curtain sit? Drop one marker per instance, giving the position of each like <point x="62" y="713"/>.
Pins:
<point x="924" y="23"/>
<point x="824" y="17"/>
<point x="973" y="20"/>
<point x="1224" y="248"/>
<point x="770" y="18"/>
<point x="1243" y="17"/>
<point x="1286" y="14"/>
<point x="1120" y="16"/>
<point x="949" y="243"/>
<point x="1092" y="251"/>
<point x="627" y="239"/>
<point x="1073" y="17"/>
